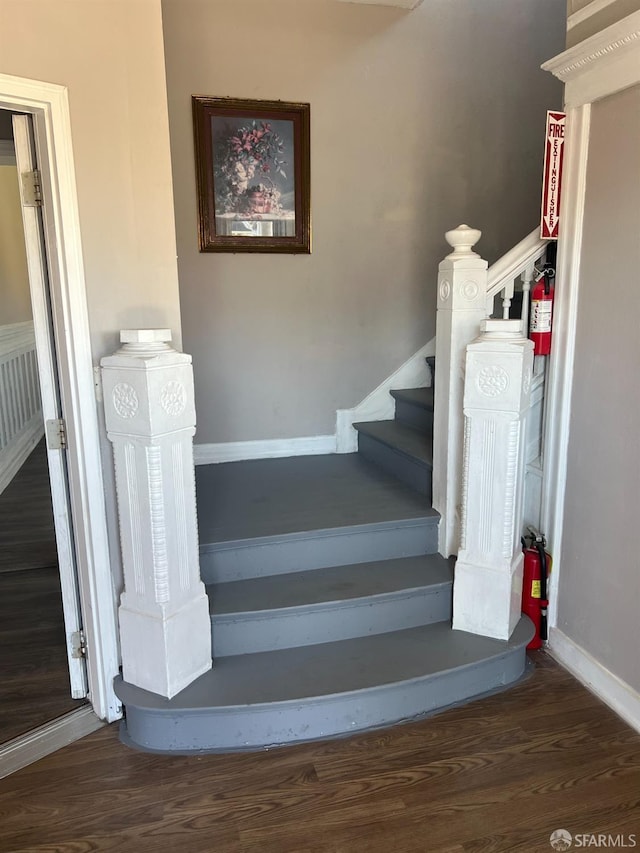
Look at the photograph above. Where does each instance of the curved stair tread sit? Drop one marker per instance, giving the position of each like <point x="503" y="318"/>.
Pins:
<point x="311" y="673"/>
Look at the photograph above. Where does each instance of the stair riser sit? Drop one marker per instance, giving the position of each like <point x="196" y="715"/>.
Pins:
<point x="415" y="416"/>
<point x="409" y="471"/>
<point x="239" y="728"/>
<point x="258" y="558"/>
<point x="304" y="626"/>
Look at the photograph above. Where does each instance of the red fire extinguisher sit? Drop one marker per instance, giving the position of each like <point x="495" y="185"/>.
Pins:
<point x="537" y="565"/>
<point x="542" y="312"/>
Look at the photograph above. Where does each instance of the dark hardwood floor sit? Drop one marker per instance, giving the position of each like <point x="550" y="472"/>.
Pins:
<point x="27" y="538"/>
<point x="499" y="774"/>
<point x="34" y="677"/>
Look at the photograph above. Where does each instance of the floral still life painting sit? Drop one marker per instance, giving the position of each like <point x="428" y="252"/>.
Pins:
<point x="252" y="161"/>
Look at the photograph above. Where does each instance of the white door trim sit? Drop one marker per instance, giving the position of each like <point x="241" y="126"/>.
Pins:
<point x="601" y="65"/>
<point x="48" y="103"/>
<point x="565" y="318"/>
<point x="37" y="266"/>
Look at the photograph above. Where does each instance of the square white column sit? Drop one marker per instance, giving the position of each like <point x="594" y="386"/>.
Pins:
<point x="488" y="575"/>
<point x="165" y="629"/>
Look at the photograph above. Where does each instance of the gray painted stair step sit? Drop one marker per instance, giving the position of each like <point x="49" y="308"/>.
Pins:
<point x="271" y="516"/>
<point x="414" y="407"/>
<point x="257" y="700"/>
<point x="337" y="603"/>
<point x="398" y="449"/>
<point x="270" y="497"/>
<point x="421" y="397"/>
<point x="222" y="562"/>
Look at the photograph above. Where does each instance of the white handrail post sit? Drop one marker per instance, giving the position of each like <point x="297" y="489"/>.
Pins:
<point x="462" y="296"/>
<point x="165" y="630"/>
<point x="488" y="579"/>
<point x="527" y="280"/>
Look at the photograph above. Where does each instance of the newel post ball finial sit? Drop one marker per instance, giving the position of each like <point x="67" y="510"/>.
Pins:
<point x="462" y="239"/>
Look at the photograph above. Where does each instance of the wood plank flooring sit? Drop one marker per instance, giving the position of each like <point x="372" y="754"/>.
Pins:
<point x="27" y="537"/>
<point x="34" y="676"/>
<point x="499" y="774"/>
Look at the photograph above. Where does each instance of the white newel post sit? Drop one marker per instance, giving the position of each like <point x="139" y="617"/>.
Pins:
<point x="165" y="632"/>
<point x="462" y="298"/>
<point x="488" y="575"/>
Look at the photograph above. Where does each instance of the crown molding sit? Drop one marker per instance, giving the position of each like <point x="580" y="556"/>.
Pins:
<point x="600" y="65"/>
<point x="587" y="12"/>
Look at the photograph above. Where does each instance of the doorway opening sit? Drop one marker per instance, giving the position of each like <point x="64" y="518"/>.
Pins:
<point x="64" y="372"/>
<point x="36" y="685"/>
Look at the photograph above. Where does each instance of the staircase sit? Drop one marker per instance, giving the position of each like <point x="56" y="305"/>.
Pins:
<point x="330" y="608"/>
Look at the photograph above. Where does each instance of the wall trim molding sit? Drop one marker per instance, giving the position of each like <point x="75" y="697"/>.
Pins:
<point x="615" y="692"/>
<point x="40" y="742"/>
<point x="236" y="451"/>
<point x="600" y="65"/>
<point x="560" y="377"/>
<point x="379" y="405"/>
<point x="587" y="11"/>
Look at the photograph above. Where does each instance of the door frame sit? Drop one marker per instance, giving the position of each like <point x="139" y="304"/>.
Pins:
<point x="599" y="66"/>
<point x="48" y="103"/>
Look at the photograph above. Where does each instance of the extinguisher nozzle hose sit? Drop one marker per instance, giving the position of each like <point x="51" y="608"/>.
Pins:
<point x="539" y="545"/>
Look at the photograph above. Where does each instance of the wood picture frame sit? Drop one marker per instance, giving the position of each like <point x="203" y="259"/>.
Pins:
<point x="253" y="175"/>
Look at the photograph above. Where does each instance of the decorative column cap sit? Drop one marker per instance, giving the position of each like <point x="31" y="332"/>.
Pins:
<point x="462" y="239"/>
<point x="145" y="336"/>
<point x="501" y="329"/>
<point x="145" y="343"/>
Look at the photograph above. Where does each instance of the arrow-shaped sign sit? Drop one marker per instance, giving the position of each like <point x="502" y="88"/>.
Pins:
<point x="552" y="177"/>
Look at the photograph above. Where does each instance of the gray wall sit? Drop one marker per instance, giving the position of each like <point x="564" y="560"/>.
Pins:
<point x="599" y="595"/>
<point x="420" y="121"/>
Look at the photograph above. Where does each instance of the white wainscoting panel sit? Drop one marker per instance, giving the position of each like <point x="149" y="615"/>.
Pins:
<point x="21" y="424"/>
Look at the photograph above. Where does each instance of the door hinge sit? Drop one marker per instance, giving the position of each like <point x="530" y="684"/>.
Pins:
<point x="31" y="189"/>
<point x="56" y="434"/>
<point x="78" y="645"/>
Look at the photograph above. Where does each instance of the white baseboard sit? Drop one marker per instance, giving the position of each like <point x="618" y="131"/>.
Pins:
<point x="15" y="454"/>
<point x="615" y="692"/>
<point x="36" y="744"/>
<point x="379" y="404"/>
<point x="235" y="451"/>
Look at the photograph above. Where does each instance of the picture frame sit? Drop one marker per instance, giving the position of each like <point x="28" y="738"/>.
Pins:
<point x="253" y="175"/>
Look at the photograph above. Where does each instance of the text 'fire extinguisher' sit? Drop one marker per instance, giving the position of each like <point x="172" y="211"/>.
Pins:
<point x="542" y="310"/>
<point x="537" y="565"/>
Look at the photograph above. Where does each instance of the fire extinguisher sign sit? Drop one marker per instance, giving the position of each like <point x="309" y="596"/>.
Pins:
<point x="552" y="177"/>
